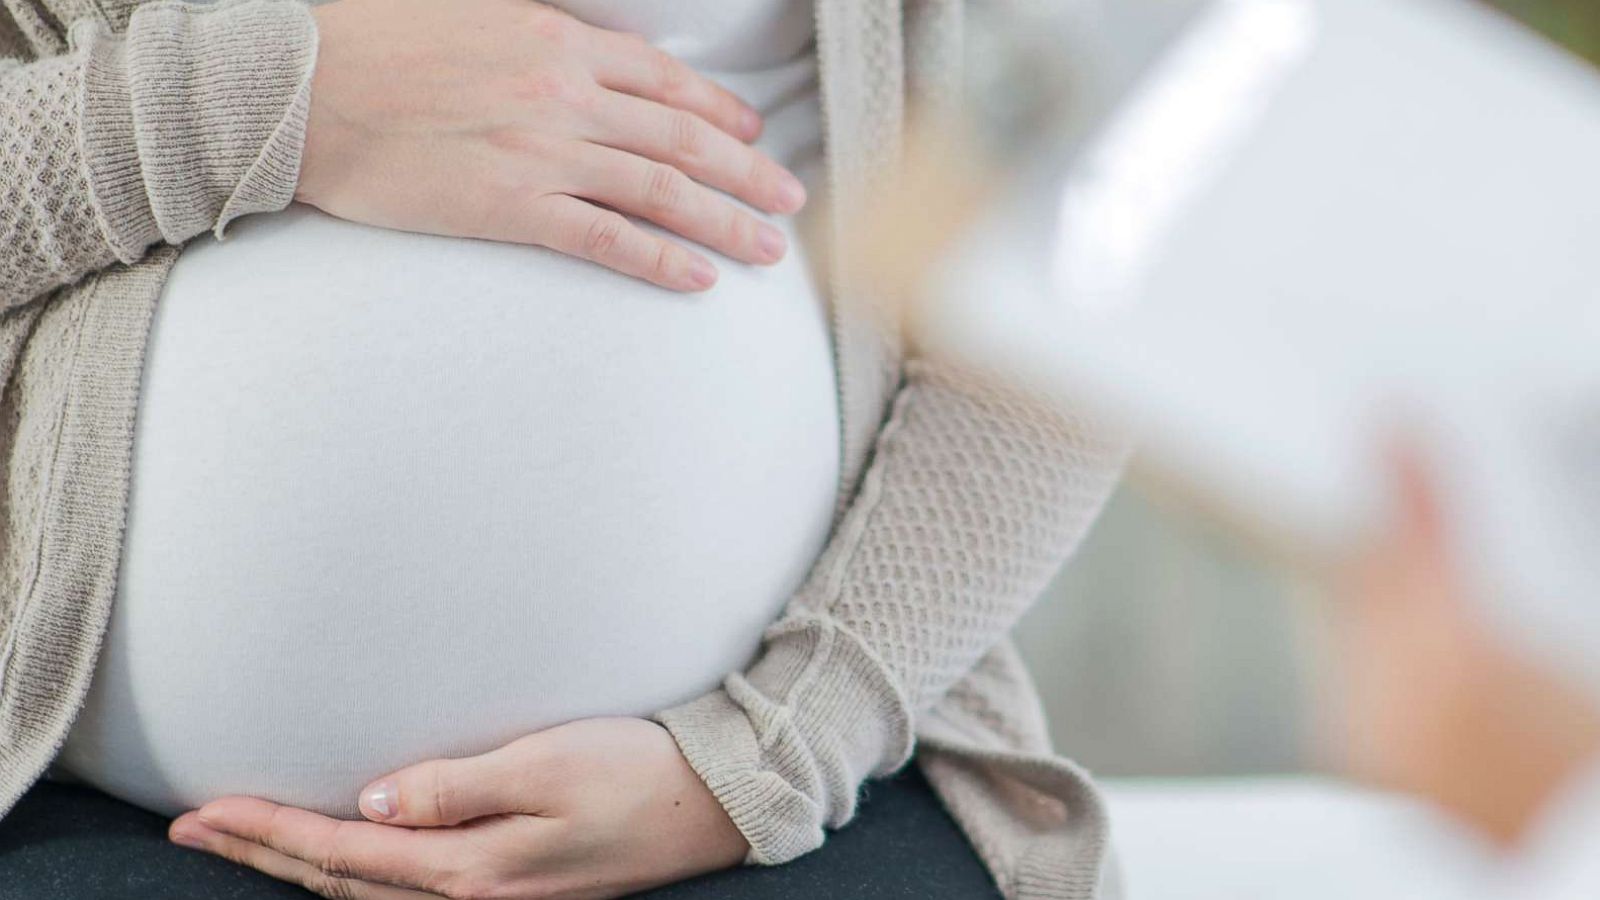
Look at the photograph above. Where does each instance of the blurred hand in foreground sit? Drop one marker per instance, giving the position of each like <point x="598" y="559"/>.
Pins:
<point x="1434" y="701"/>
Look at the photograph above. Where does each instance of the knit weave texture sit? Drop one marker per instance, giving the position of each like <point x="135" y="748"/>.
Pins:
<point x="980" y="493"/>
<point x="128" y="126"/>
<point x="112" y="142"/>
<point x="976" y="493"/>
<point x="49" y="230"/>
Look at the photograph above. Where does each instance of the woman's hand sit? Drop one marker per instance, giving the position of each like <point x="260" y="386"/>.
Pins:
<point x="511" y="121"/>
<point x="596" y="808"/>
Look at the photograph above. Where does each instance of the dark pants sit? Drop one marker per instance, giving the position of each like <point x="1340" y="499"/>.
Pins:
<point x="70" y="843"/>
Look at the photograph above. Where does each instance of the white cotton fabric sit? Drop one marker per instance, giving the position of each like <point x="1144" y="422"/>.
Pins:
<point x="408" y="496"/>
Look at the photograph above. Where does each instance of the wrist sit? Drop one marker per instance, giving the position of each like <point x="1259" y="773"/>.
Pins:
<point x="317" y="154"/>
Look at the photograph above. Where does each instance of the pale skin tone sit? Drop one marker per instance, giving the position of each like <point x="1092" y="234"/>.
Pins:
<point x="509" y="121"/>
<point x="1436" y="703"/>
<point x="597" y="808"/>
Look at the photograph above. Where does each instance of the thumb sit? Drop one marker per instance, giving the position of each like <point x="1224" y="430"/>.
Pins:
<point x="444" y="792"/>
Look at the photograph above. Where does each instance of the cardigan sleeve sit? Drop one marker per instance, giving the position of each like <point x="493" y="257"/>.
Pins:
<point x="192" y="117"/>
<point x="975" y="496"/>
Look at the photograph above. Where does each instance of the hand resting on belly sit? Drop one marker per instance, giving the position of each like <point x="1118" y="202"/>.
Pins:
<point x="509" y="121"/>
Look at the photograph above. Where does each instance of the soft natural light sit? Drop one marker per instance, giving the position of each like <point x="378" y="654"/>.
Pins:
<point x="1168" y="142"/>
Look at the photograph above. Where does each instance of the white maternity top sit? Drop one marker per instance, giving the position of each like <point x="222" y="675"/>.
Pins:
<point x="398" y="496"/>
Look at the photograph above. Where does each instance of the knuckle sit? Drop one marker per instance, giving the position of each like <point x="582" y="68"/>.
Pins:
<point x="758" y="174"/>
<point x="553" y="25"/>
<point x="581" y="95"/>
<point x="672" y="76"/>
<point x="336" y="862"/>
<point x="509" y="138"/>
<point x="275" y="827"/>
<point x="337" y="867"/>
<point x="446" y="799"/>
<point x="687" y="136"/>
<point x="544" y="84"/>
<point x="740" y="229"/>
<point x="603" y="236"/>
<point x="514" y="145"/>
<point x="332" y="888"/>
<point x="664" y="266"/>
<point x="664" y="188"/>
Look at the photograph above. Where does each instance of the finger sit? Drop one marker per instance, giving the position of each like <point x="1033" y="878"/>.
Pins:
<point x="664" y="195"/>
<point x="1414" y="491"/>
<point x="187" y="831"/>
<point x="340" y="849"/>
<point x="628" y="63"/>
<point x="701" y="151"/>
<point x="571" y="226"/>
<point x="443" y="792"/>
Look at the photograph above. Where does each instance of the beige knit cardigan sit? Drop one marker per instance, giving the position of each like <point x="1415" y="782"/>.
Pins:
<point x="130" y="127"/>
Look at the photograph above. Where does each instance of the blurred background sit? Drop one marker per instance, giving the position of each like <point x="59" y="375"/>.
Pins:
<point x="1166" y="648"/>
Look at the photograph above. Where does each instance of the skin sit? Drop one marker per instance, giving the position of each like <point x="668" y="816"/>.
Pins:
<point x="510" y="121"/>
<point x="1433" y="701"/>
<point x="593" y="809"/>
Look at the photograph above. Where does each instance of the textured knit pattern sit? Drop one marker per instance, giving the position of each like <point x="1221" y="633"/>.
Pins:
<point x="219" y="136"/>
<point x="49" y="231"/>
<point x="66" y="487"/>
<point x="988" y="746"/>
<point x="980" y="493"/>
<point x="166" y="119"/>
<point x="219" y="94"/>
<point x="975" y="495"/>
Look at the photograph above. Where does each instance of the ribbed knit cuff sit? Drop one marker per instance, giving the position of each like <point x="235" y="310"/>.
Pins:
<point x="110" y="150"/>
<point x="778" y="820"/>
<point x="786" y="745"/>
<point x="196" y="117"/>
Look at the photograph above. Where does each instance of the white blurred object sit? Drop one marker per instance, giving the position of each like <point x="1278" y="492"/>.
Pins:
<point x="1285" y="839"/>
<point x="1315" y="225"/>
<point x="1165" y="145"/>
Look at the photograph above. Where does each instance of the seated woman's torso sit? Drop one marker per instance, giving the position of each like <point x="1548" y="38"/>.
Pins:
<point x="398" y="496"/>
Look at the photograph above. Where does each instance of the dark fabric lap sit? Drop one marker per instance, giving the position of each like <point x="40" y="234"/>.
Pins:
<point x="71" y="843"/>
<point x="902" y="844"/>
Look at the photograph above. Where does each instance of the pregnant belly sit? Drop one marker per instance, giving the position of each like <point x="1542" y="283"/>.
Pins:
<point x="398" y="497"/>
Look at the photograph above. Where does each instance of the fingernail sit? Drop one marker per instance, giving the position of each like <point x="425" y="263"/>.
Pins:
<point x="772" y="242"/>
<point x="791" y="194"/>
<point x="381" y="800"/>
<point x="185" y="839"/>
<point x="702" y="274"/>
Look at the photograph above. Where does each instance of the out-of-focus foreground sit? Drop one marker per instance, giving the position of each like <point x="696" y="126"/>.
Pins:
<point x="1190" y="673"/>
<point x="1167" y="649"/>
